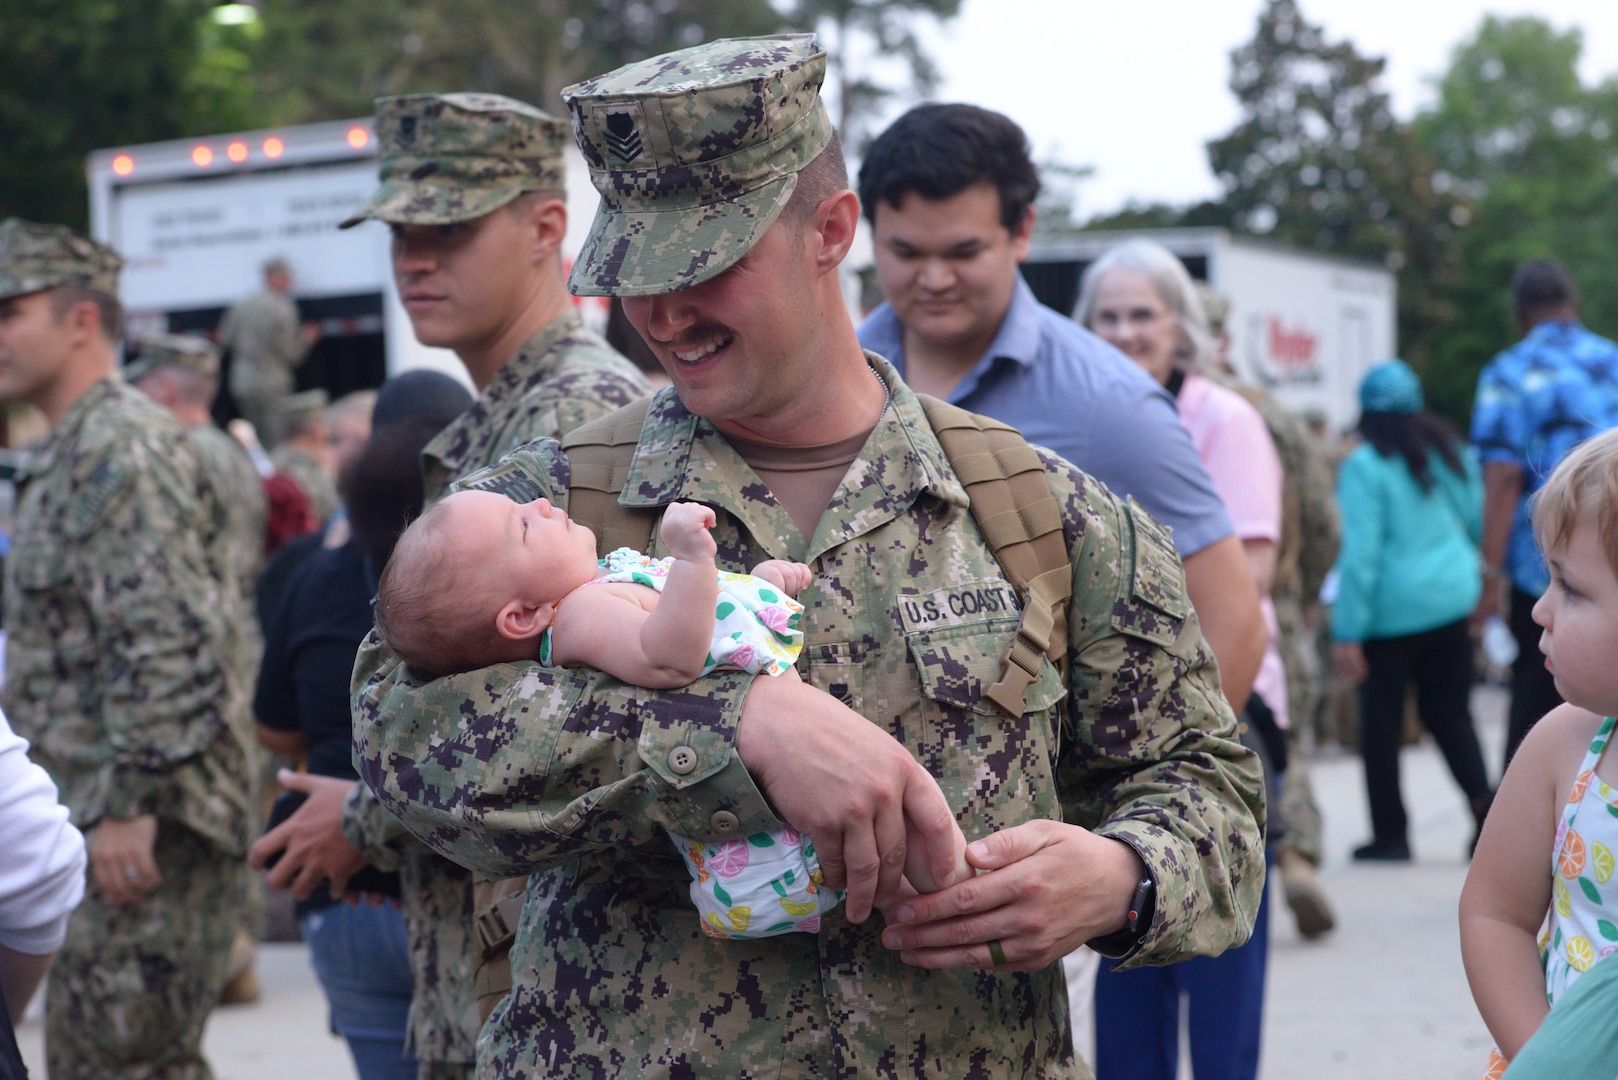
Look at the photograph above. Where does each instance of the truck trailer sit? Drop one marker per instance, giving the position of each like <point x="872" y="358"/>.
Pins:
<point x="1304" y="326"/>
<point x="196" y="219"/>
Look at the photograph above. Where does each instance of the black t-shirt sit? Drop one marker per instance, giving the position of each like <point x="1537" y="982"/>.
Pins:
<point x="309" y="647"/>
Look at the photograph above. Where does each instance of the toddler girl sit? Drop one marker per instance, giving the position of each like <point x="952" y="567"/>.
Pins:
<point x="1540" y="905"/>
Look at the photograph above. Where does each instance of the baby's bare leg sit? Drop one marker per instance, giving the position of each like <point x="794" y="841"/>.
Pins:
<point x="790" y="577"/>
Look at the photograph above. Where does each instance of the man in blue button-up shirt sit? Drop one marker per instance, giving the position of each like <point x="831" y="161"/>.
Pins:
<point x="949" y="191"/>
<point x="1536" y="401"/>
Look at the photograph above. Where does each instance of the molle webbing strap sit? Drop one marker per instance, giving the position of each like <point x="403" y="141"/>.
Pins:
<point x="599" y="455"/>
<point x="1005" y="481"/>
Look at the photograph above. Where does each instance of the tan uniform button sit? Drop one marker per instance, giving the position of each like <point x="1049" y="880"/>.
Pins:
<point x="724" y="821"/>
<point x="683" y="760"/>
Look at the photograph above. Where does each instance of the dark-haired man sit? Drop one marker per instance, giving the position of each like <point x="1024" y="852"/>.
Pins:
<point x="949" y="192"/>
<point x="1535" y="402"/>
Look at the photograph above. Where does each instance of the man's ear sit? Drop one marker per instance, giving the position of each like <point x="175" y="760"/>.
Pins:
<point x="547" y="226"/>
<point x="1022" y="234"/>
<point x="832" y="229"/>
<point x="517" y="621"/>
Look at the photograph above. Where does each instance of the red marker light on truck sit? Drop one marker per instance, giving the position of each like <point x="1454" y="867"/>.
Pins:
<point x="274" y="147"/>
<point x="237" y="152"/>
<point x="123" y="164"/>
<point x="202" y="155"/>
<point x="358" y="137"/>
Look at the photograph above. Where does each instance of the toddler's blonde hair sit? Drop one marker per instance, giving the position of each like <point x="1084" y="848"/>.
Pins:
<point x="1584" y="485"/>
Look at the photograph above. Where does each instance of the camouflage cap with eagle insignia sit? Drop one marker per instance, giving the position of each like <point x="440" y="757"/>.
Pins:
<point x="447" y="158"/>
<point x="695" y="153"/>
<point x="188" y="352"/>
<point x="35" y="257"/>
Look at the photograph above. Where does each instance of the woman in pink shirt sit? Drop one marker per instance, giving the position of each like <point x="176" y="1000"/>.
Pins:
<point x="1139" y="298"/>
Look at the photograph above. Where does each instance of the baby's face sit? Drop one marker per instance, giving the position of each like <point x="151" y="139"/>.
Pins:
<point x="529" y="551"/>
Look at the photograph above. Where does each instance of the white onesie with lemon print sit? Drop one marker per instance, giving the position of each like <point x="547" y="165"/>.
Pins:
<point x="768" y="883"/>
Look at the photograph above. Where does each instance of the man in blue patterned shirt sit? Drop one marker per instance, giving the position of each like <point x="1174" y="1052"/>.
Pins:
<point x="1535" y="402"/>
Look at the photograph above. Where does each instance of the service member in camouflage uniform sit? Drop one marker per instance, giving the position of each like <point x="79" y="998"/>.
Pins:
<point x="119" y="671"/>
<point x="573" y="777"/>
<point x="267" y="345"/>
<point x="303" y="450"/>
<point x="473" y="188"/>
<point x="1311" y="533"/>
<point x="181" y="373"/>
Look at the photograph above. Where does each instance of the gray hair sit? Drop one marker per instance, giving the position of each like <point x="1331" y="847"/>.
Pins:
<point x="1166" y="274"/>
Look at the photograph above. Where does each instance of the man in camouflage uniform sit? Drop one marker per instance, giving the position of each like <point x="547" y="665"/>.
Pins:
<point x="267" y="346"/>
<point x="473" y="189"/>
<point x="303" y="449"/>
<point x="726" y="216"/>
<point x="119" y="670"/>
<point x="1311" y="533"/>
<point x="181" y="373"/>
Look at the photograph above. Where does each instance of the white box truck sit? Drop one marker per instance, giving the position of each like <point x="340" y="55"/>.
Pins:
<point x="196" y="219"/>
<point x="1304" y="326"/>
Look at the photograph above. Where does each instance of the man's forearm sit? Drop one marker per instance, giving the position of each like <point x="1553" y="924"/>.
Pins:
<point x="1220" y="584"/>
<point x="510" y="771"/>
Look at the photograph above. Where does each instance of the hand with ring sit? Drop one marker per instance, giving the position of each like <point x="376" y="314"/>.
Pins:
<point x="121" y="858"/>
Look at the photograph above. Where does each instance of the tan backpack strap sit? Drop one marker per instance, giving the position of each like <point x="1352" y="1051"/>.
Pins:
<point x="600" y="454"/>
<point x="1011" y="501"/>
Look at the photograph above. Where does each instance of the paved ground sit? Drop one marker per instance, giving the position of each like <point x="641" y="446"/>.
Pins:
<point x="1384" y="995"/>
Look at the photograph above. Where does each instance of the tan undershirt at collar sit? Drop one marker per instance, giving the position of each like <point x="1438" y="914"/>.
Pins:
<point x="802" y="478"/>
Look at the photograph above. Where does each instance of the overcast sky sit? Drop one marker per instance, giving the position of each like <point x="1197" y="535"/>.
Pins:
<point x="1136" y="89"/>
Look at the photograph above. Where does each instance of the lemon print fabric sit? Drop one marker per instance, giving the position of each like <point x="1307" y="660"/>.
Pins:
<point x="756" y="626"/>
<point x="760" y="886"/>
<point x="1581" y="928"/>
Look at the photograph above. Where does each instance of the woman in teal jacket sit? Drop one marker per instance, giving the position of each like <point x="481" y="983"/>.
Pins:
<point x="1409" y="575"/>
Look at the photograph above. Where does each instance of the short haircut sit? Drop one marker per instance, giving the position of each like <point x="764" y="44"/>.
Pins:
<point x="425" y="611"/>
<point x="1584" y="486"/>
<point x="824" y="176"/>
<point x="111" y="311"/>
<point x="1168" y="276"/>
<point x="190" y="387"/>
<point x="357" y="403"/>
<point x="521" y="204"/>
<point x="1542" y="285"/>
<point x="937" y="151"/>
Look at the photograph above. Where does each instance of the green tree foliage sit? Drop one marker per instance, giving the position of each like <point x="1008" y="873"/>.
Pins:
<point x="864" y="36"/>
<point x="83" y="74"/>
<point x="324" y="61"/>
<point x="1320" y="162"/>
<point x="1534" y="152"/>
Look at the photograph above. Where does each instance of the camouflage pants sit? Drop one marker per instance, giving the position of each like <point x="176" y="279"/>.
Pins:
<point x="132" y="987"/>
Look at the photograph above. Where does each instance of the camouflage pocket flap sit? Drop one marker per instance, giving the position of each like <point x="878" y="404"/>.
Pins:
<point x="1157" y="604"/>
<point x="957" y="665"/>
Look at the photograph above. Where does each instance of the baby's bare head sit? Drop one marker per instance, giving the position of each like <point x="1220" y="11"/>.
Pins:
<point x="434" y="606"/>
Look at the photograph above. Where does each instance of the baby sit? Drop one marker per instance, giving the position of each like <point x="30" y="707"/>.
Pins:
<point x="479" y="579"/>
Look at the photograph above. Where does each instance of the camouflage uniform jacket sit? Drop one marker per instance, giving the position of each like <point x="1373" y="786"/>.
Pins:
<point x="567" y="774"/>
<point x="235" y="507"/>
<point x="310" y="476"/>
<point x="118" y="655"/>
<point x="237" y="501"/>
<point x="562" y="377"/>
<point x="262" y="334"/>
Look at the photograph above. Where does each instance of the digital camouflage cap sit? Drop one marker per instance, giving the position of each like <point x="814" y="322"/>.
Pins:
<point x="445" y="158"/>
<point x="695" y="153"/>
<point x="35" y="257"/>
<point x="188" y="352"/>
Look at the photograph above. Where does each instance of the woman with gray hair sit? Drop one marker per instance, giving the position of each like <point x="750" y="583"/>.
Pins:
<point x="1139" y="298"/>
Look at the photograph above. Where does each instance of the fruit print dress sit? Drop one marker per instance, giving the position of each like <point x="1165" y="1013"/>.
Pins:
<point x="768" y="883"/>
<point x="1581" y="926"/>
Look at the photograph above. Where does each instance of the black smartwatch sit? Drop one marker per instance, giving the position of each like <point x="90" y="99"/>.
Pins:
<point x="1142" y="906"/>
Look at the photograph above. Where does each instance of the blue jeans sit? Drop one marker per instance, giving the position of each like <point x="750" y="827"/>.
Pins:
<point x="363" y="963"/>
<point x="1138" y="1013"/>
